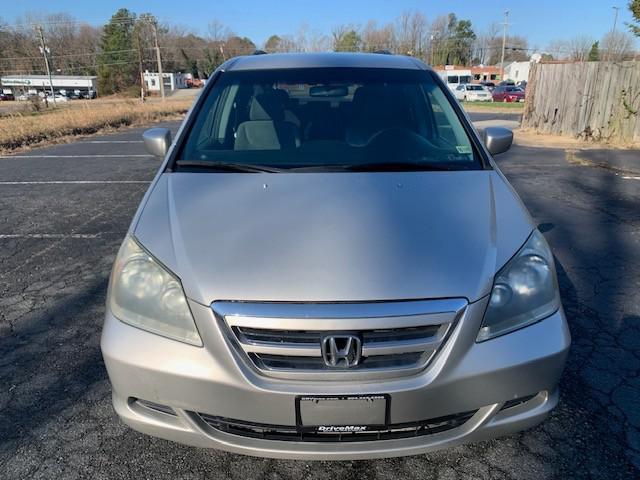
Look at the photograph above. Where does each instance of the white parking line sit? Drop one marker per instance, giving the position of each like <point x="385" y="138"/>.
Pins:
<point x="124" y="155"/>
<point x="49" y="235"/>
<point x="627" y="177"/>
<point x="76" y="182"/>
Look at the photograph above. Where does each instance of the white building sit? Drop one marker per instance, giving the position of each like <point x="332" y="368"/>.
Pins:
<point x="172" y="81"/>
<point x="34" y="84"/>
<point x="519" y="71"/>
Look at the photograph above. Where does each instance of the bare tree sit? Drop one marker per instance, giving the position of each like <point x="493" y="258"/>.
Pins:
<point x="617" y="46"/>
<point x="558" y="49"/>
<point x="300" y="38"/>
<point x="439" y="40"/>
<point x="578" y="48"/>
<point x="411" y="33"/>
<point x="318" y="42"/>
<point x="485" y="44"/>
<point x="218" y="32"/>
<point x="374" y="38"/>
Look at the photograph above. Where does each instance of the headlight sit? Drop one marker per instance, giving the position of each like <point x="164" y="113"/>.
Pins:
<point x="524" y="291"/>
<point x="143" y="293"/>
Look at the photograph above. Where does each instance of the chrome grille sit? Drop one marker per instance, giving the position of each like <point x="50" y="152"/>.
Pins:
<point x="284" y="339"/>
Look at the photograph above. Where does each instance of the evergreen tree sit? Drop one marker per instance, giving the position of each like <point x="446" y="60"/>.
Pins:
<point x="348" y="42"/>
<point x="117" y="62"/>
<point x="461" y="42"/>
<point x="634" y="6"/>
<point x="594" y="53"/>
<point x="273" y="43"/>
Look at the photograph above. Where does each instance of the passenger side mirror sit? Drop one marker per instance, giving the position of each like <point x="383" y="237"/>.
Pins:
<point x="497" y="139"/>
<point x="157" y="141"/>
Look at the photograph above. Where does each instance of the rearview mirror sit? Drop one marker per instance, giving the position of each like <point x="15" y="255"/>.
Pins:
<point x="157" y="141"/>
<point x="329" y="91"/>
<point x="497" y="139"/>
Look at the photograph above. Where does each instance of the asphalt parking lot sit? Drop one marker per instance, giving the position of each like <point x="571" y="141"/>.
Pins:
<point x="65" y="209"/>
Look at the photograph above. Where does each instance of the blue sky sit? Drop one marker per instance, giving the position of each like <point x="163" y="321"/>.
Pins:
<point x="540" y="20"/>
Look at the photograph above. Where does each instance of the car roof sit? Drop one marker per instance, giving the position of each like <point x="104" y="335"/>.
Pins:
<point x="322" y="60"/>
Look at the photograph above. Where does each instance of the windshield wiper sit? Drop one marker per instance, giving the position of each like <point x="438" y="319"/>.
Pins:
<point x="227" y="166"/>
<point x="398" y="167"/>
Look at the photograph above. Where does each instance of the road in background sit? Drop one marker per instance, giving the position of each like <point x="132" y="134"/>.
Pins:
<point x="64" y="211"/>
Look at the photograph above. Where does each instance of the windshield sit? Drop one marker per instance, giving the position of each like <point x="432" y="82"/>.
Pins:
<point x="475" y="87"/>
<point x="328" y="118"/>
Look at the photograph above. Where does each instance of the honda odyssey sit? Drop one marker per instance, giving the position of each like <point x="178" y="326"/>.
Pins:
<point x="330" y="265"/>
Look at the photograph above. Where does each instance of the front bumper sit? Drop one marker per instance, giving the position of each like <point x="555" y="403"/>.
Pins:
<point x="465" y="377"/>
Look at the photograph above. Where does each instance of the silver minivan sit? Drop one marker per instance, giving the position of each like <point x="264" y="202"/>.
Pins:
<point x="329" y="265"/>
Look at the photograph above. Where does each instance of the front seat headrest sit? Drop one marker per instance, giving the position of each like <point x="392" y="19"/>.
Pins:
<point x="266" y="106"/>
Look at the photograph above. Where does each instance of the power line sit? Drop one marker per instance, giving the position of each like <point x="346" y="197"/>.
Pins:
<point x="86" y="54"/>
<point x="119" y="21"/>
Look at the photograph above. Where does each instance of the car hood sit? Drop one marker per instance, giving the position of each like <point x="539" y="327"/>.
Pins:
<point x="333" y="236"/>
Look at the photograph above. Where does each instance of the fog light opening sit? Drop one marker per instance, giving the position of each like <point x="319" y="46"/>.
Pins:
<point x="156" y="407"/>
<point x="517" y="401"/>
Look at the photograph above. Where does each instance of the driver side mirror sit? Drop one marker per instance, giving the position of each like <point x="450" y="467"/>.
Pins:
<point x="497" y="139"/>
<point x="157" y="141"/>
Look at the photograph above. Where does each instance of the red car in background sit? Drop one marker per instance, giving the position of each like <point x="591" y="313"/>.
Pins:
<point x="508" y="93"/>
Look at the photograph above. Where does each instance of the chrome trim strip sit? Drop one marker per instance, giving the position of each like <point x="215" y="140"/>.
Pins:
<point x="355" y="310"/>
<point x="370" y="374"/>
<point x="343" y="323"/>
<point x="401" y="346"/>
<point x="288" y="349"/>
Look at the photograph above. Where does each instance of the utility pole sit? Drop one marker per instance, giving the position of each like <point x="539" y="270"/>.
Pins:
<point x="613" y="41"/>
<point x="431" y="47"/>
<point x="504" y="43"/>
<point x="154" y="24"/>
<point x="140" y="64"/>
<point x="615" y="19"/>
<point x="45" y="52"/>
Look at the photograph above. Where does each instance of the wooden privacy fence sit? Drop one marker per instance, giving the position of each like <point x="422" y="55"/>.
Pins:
<point x="589" y="100"/>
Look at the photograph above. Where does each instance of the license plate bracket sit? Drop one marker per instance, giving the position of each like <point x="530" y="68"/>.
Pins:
<point x="342" y="413"/>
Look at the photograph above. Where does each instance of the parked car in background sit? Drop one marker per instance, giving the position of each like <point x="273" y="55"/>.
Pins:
<point x="472" y="92"/>
<point x="506" y="93"/>
<point x="194" y="83"/>
<point x="24" y="97"/>
<point x="506" y="83"/>
<point x="58" y="98"/>
<point x="522" y="84"/>
<point x="488" y="85"/>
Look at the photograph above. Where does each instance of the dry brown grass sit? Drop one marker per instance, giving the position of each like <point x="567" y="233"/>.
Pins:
<point x="24" y="129"/>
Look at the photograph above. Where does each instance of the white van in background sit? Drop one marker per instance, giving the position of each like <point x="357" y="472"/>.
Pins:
<point x="455" y="77"/>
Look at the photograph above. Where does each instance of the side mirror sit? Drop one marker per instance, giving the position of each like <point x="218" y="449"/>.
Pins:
<point x="497" y="139"/>
<point x="157" y="141"/>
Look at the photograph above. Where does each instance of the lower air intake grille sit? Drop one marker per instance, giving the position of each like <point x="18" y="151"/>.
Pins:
<point x="292" y="434"/>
